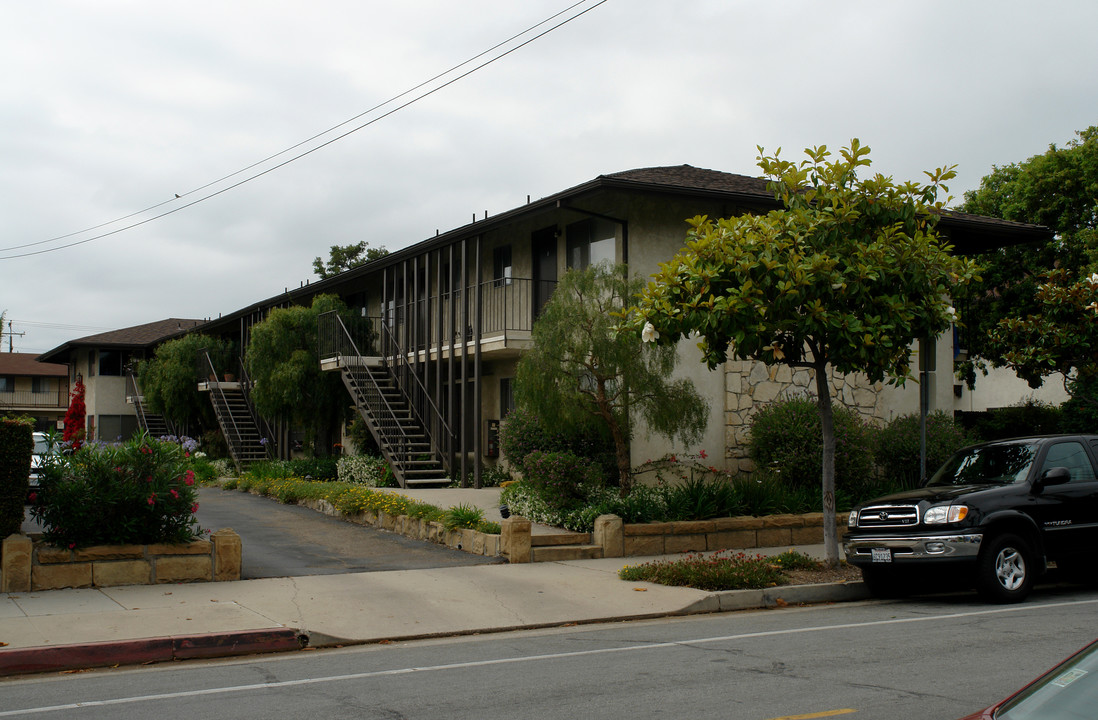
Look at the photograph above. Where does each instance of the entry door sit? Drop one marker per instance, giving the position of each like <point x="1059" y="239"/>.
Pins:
<point x="545" y="266"/>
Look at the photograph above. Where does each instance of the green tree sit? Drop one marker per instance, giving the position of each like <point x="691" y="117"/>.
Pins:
<point x="581" y="368"/>
<point x="845" y="276"/>
<point x="169" y="380"/>
<point x="345" y="257"/>
<point x="1057" y="189"/>
<point x="1060" y="336"/>
<point x="284" y="366"/>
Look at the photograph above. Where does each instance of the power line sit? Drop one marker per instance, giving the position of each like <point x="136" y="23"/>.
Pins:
<point x="311" y="139"/>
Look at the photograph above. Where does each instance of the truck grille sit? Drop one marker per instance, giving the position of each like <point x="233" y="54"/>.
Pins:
<point x="879" y="516"/>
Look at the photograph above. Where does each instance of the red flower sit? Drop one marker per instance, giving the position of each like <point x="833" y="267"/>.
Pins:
<point x="33" y="497"/>
<point x="188" y="478"/>
<point x="174" y="493"/>
<point x="194" y="508"/>
<point x="152" y="499"/>
<point x="72" y="545"/>
<point x="702" y="454"/>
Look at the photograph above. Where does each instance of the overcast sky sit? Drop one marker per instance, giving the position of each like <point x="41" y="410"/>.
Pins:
<point x="111" y="107"/>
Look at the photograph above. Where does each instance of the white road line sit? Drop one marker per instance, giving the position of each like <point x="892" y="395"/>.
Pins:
<point x="531" y="658"/>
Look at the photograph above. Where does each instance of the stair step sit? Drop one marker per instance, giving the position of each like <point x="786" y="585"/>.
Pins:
<point x="559" y="553"/>
<point x="567" y="538"/>
<point x="423" y="482"/>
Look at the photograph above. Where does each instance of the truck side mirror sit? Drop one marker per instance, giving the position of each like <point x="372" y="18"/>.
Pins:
<point x="1054" y="476"/>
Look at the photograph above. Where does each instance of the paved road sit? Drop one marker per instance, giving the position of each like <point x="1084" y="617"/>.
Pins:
<point x="289" y="540"/>
<point x="925" y="659"/>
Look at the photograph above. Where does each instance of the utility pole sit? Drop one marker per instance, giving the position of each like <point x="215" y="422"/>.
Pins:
<point x="10" y="335"/>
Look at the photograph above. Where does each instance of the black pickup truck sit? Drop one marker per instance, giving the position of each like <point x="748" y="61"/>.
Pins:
<point x="999" y="511"/>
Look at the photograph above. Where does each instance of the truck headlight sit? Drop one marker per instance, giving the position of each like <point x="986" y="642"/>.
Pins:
<point x="945" y="514"/>
<point x="852" y="520"/>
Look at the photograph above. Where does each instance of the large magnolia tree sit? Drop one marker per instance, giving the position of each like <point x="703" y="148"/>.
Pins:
<point x="846" y="276"/>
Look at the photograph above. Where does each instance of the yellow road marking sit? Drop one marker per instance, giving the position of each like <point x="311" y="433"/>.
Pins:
<point x="810" y="716"/>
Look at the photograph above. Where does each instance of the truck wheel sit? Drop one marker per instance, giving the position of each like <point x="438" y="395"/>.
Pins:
<point x="1005" y="570"/>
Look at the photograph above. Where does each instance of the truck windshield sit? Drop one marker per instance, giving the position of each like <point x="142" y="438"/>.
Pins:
<point x="988" y="465"/>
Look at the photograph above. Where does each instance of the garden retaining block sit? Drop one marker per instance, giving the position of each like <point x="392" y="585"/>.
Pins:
<point x="28" y="564"/>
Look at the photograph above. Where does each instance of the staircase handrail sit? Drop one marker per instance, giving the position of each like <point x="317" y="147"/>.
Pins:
<point x="216" y="387"/>
<point x="265" y="430"/>
<point x="397" y="355"/>
<point x="139" y="405"/>
<point x="343" y="345"/>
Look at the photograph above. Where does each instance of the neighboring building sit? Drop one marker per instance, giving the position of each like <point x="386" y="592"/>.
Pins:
<point x="37" y="389"/>
<point x="450" y="317"/>
<point x="103" y="362"/>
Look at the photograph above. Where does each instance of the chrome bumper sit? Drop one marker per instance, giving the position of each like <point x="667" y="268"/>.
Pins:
<point x="859" y="550"/>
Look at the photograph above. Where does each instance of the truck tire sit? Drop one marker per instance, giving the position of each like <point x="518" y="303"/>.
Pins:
<point x="1005" y="570"/>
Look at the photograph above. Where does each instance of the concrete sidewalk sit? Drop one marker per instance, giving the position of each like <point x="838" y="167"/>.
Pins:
<point x="65" y="629"/>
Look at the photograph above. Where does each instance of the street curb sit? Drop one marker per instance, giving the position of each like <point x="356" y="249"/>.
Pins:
<point x="144" y="651"/>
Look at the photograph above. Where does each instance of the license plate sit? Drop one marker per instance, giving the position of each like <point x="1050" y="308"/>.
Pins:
<point x="881" y="555"/>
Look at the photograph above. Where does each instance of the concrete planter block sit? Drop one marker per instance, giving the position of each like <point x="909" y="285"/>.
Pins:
<point x="15" y="569"/>
<point x="609" y="534"/>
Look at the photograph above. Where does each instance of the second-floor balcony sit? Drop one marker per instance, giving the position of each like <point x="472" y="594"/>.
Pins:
<point x="57" y="398"/>
<point x="497" y="315"/>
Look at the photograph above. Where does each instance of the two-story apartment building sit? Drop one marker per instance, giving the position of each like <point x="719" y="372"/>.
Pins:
<point x="445" y="321"/>
<point x="102" y="362"/>
<point x="37" y="389"/>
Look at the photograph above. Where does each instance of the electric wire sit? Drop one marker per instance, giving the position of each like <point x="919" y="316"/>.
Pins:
<point x="311" y="139"/>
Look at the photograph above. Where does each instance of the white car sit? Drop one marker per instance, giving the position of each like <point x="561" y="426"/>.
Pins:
<point x="41" y="447"/>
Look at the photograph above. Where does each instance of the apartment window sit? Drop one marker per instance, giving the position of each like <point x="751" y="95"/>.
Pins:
<point x="7" y="383"/>
<point x="501" y="266"/>
<point x="110" y="362"/>
<point x="40" y="385"/>
<point x="590" y="242"/>
<point x="506" y="397"/>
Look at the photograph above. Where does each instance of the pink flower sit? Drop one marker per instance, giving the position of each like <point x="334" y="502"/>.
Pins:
<point x="188" y="478"/>
<point x="152" y="499"/>
<point x="72" y="545"/>
<point x="174" y="493"/>
<point x="702" y="454"/>
<point x="194" y="508"/>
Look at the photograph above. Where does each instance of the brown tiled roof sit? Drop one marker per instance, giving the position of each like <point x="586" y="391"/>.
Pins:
<point x="138" y="336"/>
<point x="690" y="177"/>
<point x="27" y="364"/>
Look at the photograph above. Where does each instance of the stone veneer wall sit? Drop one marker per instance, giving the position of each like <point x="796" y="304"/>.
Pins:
<point x="749" y="385"/>
<point x="30" y="566"/>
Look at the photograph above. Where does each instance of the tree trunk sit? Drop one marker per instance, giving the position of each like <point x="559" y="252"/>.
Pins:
<point x="827" y="424"/>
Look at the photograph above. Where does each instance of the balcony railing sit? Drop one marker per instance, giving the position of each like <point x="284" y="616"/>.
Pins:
<point x="58" y="398"/>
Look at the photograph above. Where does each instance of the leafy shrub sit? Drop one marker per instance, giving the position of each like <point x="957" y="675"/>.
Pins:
<point x="786" y="441"/>
<point x="16" y="447"/>
<point x="523" y="433"/>
<point x="324" y="468"/>
<point x="561" y="477"/>
<point x="1031" y="417"/>
<point x="898" y="446"/>
<point x="371" y="471"/>
<point x="139" y="492"/>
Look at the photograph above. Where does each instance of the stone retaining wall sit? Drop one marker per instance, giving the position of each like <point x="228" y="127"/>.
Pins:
<point x="30" y="565"/>
<point x="724" y="534"/>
